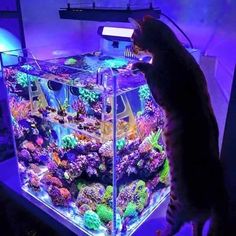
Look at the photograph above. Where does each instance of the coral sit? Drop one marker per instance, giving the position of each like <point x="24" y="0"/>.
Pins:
<point x="106" y="149"/>
<point x="22" y="170"/>
<point x="70" y="61"/>
<point x="118" y="223"/>
<point x="49" y="180"/>
<point x="82" y="209"/>
<point x="104" y="212"/>
<point x="24" y="155"/>
<point x="77" y="167"/>
<point x="79" y="107"/>
<point x="145" y="146"/>
<point x="90" y="195"/>
<point x="153" y="183"/>
<point x="52" y="167"/>
<point x="146" y="124"/>
<point x="107" y="198"/>
<point x="130" y="210"/>
<point x="39" y="141"/>
<point x="22" y="79"/>
<point x="144" y="92"/>
<point x="150" y="107"/>
<point x="34" y="183"/>
<point x="155" y="161"/>
<point x="91" y="220"/>
<point x="154" y="139"/>
<point x="136" y="192"/>
<point x="69" y="141"/>
<point x="88" y="95"/>
<point x="164" y="173"/>
<point x="120" y="144"/>
<point x="141" y="195"/>
<point x="27" y="67"/>
<point x="59" y="196"/>
<point x="35" y="168"/>
<point x="29" y="145"/>
<point x="81" y="183"/>
<point x="97" y="107"/>
<point x="127" y="164"/>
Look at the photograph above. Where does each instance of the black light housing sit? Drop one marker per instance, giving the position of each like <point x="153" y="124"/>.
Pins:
<point x="106" y="14"/>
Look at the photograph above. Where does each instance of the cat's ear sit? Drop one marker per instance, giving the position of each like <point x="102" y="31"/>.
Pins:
<point x="135" y="24"/>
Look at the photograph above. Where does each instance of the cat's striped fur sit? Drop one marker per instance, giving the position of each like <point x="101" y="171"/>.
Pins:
<point x="191" y="133"/>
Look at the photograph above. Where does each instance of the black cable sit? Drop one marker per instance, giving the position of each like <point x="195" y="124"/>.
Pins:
<point x="173" y="22"/>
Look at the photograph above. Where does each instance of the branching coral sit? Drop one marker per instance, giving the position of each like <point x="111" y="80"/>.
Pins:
<point x="69" y="141"/>
<point x="79" y="107"/>
<point x="88" y="95"/>
<point x="23" y="79"/>
<point x="154" y="139"/>
<point x="144" y="92"/>
<point x="91" y="220"/>
<point x="164" y="174"/>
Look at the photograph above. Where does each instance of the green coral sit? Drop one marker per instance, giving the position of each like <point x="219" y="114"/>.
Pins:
<point x="70" y="61"/>
<point x="115" y="63"/>
<point x="141" y="195"/>
<point x="144" y="92"/>
<point x="80" y="184"/>
<point x="91" y="220"/>
<point x="164" y="173"/>
<point x="27" y="67"/>
<point x="107" y="198"/>
<point x="23" y="79"/>
<point x="154" y="138"/>
<point x="69" y="141"/>
<point x="120" y="144"/>
<point x="88" y="95"/>
<point x="104" y="212"/>
<point x="131" y="210"/>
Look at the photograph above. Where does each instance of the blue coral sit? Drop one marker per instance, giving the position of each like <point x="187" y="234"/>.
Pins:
<point x="144" y="92"/>
<point x="91" y="220"/>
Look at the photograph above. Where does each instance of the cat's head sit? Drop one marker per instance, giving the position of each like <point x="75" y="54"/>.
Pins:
<point x="153" y="35"/>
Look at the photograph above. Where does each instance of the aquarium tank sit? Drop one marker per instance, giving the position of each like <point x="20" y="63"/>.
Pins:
<point x="88" y="139"/>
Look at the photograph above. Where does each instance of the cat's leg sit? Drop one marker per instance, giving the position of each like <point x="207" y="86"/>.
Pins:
<point x="198" y="227"/>
<point x="175" y="219"/>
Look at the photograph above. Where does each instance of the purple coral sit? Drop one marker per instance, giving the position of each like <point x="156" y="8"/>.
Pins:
<point x="24" y="155"/>
<point x="52" y="167"/>
<point x="90" y="195"/>
<point x="34" y="182"/>
<point x="77" y="167"/>
<point x="59" y="196"/>
<point x="79" y="107"/>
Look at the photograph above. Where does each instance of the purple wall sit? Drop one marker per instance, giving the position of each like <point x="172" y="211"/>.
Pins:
<point x="8" y="5"/>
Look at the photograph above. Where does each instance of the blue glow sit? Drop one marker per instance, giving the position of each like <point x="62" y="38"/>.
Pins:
<point x="8" y="41"/>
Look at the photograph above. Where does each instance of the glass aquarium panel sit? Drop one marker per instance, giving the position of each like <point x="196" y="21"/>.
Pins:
<point x="88" y="148"/>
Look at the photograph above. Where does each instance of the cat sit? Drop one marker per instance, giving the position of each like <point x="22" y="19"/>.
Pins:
<point x="197" y="190"/>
